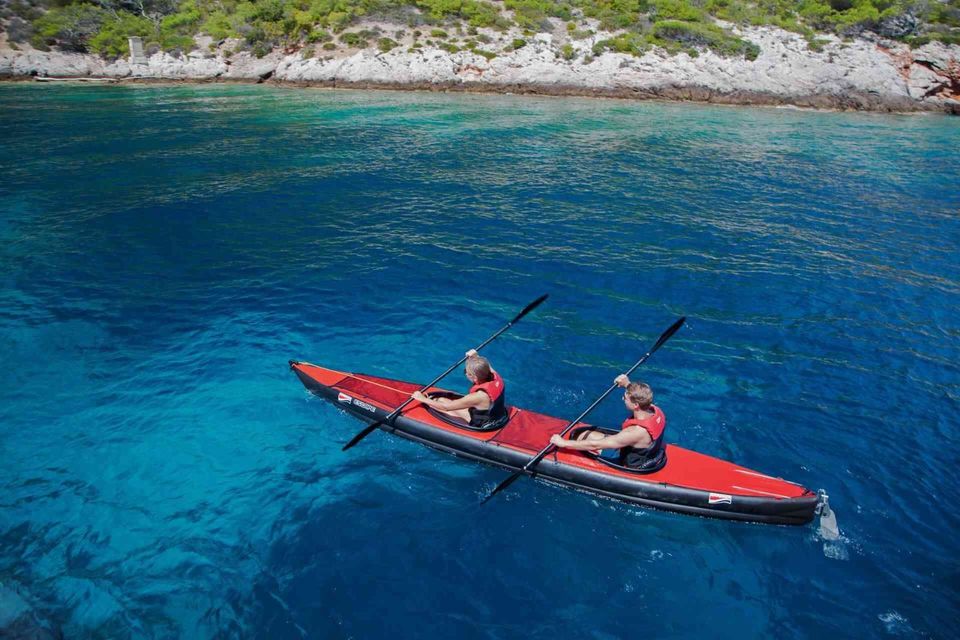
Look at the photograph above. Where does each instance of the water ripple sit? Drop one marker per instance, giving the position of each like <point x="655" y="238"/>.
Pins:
<point x="167" y="249"/>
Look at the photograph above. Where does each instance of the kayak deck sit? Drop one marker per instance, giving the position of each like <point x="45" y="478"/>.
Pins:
<point x="688" y="476"/>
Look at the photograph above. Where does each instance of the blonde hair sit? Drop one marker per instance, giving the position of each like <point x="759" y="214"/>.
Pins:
<point x="479" y="368"/>
<point x="640" y="393"/>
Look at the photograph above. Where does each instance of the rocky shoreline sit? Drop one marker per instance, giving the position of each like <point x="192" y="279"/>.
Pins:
<point x="868" y="74"/>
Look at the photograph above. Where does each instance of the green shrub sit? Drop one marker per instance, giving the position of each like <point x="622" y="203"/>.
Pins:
<point x="919" y="41"/>
<point x="692" y="34"/>
<point x="489" y="55"/>
<point x="177" y="29"/>
<point x="614" y="14"/>
<point x="255" y="35"/>
<point x="946" y="14"/>
<point x="567" y="52"/>
<point x="855" y="19"/>
<point x="70" y="28"/>
<point x="439" y="9"/>
<point x="632" y="43"/>
<point x="480" y="14"/>
<point x="677" y="10"/>
<point x="269" y="10"/>
<point x="319" y="35"/>
<point x="177" y="43"/>
<point x="353" y="39"/>
<point x="25" y="10"/>
<point x="532" y="14"/>
<point x="518" y="43"/>
<point x="217" y="26"/>
<point x="185" y="20"/>
<point x="386" y="44"/>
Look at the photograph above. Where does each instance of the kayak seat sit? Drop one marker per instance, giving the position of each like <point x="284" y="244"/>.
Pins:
<point x="457" y="422"/>
<point x="611" y="462"/>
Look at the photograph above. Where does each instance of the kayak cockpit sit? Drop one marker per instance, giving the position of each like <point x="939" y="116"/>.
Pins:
<point x="462" y="424"/>
<point x="610" y="462"/>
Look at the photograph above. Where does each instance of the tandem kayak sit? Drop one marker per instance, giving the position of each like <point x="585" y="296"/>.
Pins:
<point x="690" y="482"/>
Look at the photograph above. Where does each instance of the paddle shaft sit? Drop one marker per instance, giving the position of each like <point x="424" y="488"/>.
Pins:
<point x="396" y="412"/>
<point x="546" y="450"/>
<point x="528" y="468"/>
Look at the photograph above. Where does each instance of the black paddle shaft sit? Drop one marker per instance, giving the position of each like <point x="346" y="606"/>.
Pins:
<point x="528" y="468"/>
<point x="396" y="412"/>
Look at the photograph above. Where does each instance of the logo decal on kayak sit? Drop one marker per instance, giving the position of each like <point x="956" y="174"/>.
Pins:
<point x="344" y="398"/>
<point x="364" y="405"/>
<point x="719" y="498"/>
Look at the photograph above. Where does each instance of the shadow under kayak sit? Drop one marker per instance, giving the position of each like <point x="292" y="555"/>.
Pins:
<point x="690" y="482"/>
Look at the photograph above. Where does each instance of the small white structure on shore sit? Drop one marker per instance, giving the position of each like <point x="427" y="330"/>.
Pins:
<point x="136" y="50"/>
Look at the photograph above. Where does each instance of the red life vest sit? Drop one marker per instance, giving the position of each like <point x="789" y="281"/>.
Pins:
<point x="496" y="413"/>
<point x="654" y="424"/>
<point x="653" y="457"/>
<point x="493" y="388"/>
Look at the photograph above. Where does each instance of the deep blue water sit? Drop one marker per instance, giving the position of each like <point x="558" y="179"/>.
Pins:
<point x="165" y="250"/>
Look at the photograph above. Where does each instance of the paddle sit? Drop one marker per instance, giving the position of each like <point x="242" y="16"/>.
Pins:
<point x="396" y="412"/>
<point x="528" y="468"/>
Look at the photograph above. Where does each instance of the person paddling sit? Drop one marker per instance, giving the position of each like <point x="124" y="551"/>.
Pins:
<point x="484" y="406"/>
<point x="640" y="440"/>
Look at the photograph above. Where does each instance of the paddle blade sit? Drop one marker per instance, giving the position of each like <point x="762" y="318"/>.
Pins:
<point x="530" y="307"/>
<point x="669" y="333"/>
<point x="363" y="434"/>
<point x="503" y="485"/>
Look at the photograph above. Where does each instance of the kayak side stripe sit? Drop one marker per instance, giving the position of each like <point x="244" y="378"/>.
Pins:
<point x="765" y="476"/>
<point x="765" y="493"/>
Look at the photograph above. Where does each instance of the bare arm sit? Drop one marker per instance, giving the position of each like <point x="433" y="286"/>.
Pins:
<point x="629" y="437"/>
<point x="474" y="400"/>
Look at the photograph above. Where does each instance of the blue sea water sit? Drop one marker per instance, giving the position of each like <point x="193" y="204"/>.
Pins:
<point x="165" y="250"/>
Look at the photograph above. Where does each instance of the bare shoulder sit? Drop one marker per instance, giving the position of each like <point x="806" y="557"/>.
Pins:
<point x="636" y="433"/>
<point x="476" y="396"/>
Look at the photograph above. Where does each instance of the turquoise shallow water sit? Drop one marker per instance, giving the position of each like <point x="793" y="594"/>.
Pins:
<point x="165" y="250"/>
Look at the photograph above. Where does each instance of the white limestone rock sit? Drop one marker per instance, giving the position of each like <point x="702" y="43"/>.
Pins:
<point x="888" y="73"/>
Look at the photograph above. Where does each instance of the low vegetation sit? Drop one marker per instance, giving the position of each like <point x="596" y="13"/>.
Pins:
<point x="102" y="26"/>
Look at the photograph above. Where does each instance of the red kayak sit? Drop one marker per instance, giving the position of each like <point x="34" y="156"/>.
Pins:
<point x="690" y="482"/>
